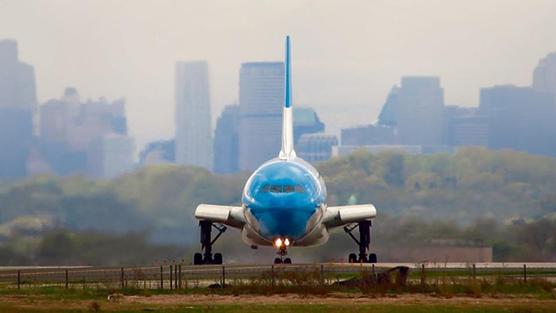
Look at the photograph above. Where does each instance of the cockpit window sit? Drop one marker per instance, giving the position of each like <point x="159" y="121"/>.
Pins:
<point x="282" y="188"/>
<point x="288" y="188"/>
<point x="299" y="189"/>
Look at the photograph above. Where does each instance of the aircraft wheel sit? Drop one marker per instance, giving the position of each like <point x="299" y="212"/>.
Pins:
<point x="372" y="258"/>
<point x="217" y="258"/>
<point x="277" y="261"/>
<point x="197" y="259"/>
<point x="352" y="258"/>
<point x="288" y="261"/>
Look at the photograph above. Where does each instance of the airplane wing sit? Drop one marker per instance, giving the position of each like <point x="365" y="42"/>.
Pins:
<point x="337" y="216"/>
<point x="229" y="215"/>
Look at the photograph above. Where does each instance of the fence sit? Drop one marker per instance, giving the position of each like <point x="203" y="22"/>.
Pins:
<point x="181" y="276"/>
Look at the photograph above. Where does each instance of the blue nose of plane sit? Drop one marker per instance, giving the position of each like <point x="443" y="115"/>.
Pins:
<point x="282" y="222"/>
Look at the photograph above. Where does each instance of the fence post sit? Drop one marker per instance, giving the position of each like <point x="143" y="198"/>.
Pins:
<point x="122" y="282"/>
<point x="161" y="277"/>
<point x="525" y="273"/>
<point x="423" y="275"/>
<point x="175" y="276"/>
<point x="179" y="283"/>
<point x="362" y="275"/>
<point x="223" y="276"/>
<point x="273" y="277"/>
<point x="18" y="279"/>
<point x="373" y="271"/>
<point x="67" y="278"/>
<point x="171" y="278"/>
<point x="474" y="271"/>
<point x="322" y="274"/>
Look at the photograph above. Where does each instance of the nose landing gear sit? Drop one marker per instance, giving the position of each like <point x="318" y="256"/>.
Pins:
<point x="363" y="242"/>
<point x="206" y="244"/>
<point x="282" y="246"/>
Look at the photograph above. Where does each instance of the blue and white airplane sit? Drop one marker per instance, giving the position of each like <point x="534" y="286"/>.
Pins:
<point x="284" y="204"/>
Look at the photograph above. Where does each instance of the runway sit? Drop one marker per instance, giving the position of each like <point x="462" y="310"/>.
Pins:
<point x="247" y="267"/>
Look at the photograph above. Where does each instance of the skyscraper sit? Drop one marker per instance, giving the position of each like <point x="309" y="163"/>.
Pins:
<point x="520" y="118"/>
<point x="226" y="141"/>
<point x="261" y="94"/>
<point x="305" y="121"/>
<point x="419" y="110"/>
<point x="544" y="76"/>
<point x="315" y="147"/>
<point x="112" y="155"/>
<point x="193" y="121"/>
<point x="17" y="110"/>
<point x="388" y="115"/>
<point x="17" y="79"/>
<point x="465" y="126"/>
<point x="74" y="136"/>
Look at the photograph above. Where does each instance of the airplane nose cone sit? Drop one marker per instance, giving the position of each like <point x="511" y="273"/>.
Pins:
<point x="283" y="223"/>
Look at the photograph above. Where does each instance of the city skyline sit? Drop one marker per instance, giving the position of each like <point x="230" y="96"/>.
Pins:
<point x="193" y="122"/>
<point x="355" y="55"/>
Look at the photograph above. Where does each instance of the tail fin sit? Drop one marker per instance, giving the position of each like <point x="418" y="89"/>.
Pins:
<point x="287" y="152"/>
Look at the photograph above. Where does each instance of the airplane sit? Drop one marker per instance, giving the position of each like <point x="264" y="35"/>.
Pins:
<point x="284" y="205"/>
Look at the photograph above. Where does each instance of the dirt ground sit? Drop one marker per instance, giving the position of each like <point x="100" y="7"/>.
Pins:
<point x="329" y="299"/>
<point x="170" y="300"/>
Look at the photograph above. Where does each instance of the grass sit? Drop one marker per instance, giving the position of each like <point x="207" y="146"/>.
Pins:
<point x="311" y="284"/>
<point x="515" y="296"/>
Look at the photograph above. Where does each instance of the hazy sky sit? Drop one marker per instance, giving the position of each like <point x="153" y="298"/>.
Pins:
<point x="346" y="54"/>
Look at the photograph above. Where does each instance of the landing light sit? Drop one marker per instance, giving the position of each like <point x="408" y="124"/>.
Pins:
<point x="278" y="242"/>
<point x="287" y="242"/>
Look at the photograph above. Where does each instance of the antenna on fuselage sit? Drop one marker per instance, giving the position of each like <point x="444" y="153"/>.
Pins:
<point x="287" y="152"/>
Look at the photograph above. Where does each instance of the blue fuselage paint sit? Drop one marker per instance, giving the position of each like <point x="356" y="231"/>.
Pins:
<point x="283" y="198"/>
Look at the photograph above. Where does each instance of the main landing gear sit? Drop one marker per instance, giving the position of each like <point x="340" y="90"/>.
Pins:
<point x="206" y="244"/>
<point x="363" y="242"/>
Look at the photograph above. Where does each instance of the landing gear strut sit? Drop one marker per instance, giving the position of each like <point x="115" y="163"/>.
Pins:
<point x="206" y="244"/>
<point x="282" y="260"/>
<point x="363" y="242"/>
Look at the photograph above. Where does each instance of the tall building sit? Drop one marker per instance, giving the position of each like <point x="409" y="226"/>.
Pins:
<point x="17" y="110"/>
<point x="158" y="152"/>
<point x="418" y="108"/>
<point x="388" y="114"/>
<point x="315" y="147"/>
<point x="544" y="75"/>
<point x="16" y="136"/>
<point x="226" y="141"/>
<point x="465" y="127"/>
<point x="112" y="155"/>
<point x="193" y="121"/>
<point x="17" y="79"/>
<point x="305" y="121"/>
<point x="74" y="135"/>
<point x="369" y="135"/>
<point x="520" y="118"/>
<point x="261" y="95"/>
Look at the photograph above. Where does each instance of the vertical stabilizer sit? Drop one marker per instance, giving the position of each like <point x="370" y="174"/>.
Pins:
<point x="287" y="152"/>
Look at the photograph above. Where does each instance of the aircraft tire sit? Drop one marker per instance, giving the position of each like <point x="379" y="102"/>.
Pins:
<point x="372" y="258"/>
<point x="352" y="258"/>
<point x="197" y="259"/>
<point x="277" y="261"/>
<point x="217" y="258"/>
<point x="287" y="261"/>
